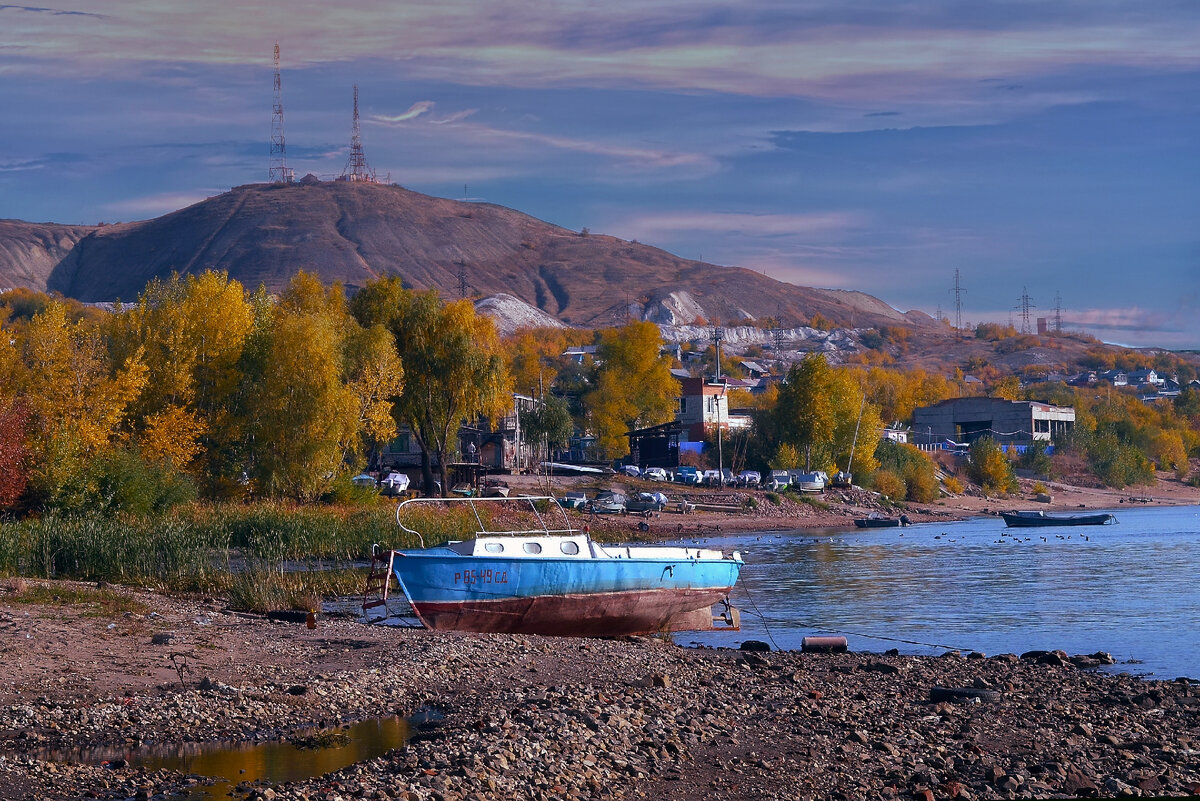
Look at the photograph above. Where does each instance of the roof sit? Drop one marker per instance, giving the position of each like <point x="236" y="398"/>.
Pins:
<point x="755" y="366"/>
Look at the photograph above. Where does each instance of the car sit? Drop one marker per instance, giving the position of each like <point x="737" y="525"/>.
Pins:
<point x="655" y="474"/>
<point x="647" y="502"/>
<point x="779" y="480"/>
<point x="609" y="503"/>
<point x="630" y="470"/>
<point x="687" y="475"/>
<point x="749" y="478"/>
<point x="711" y="478"/>
<point x="573" y="500"/>
<point x="394" y="483"/>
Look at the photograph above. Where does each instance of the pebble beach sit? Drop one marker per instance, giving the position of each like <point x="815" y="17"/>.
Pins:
<point x="525" y="717"/>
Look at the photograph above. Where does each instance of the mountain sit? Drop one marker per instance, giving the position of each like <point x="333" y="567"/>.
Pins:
<point x="355" y="232"/>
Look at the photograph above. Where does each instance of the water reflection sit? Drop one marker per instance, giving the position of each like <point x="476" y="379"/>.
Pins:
<point x="232" y="763"/>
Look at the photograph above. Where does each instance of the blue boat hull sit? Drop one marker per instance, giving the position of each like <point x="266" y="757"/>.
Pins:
<point x="571" y="596"/>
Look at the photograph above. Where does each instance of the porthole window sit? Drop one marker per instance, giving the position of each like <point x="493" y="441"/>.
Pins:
<point x="494" y="547"/>
<point x="570" y="548"/>
<point x="533" y="547"/>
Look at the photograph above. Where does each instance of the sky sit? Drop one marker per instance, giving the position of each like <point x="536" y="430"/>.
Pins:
<point x="1044" y="148"/>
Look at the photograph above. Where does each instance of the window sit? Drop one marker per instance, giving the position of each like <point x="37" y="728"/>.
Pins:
<point x="533" y="547"/>
<point x="570" y="548"/>
<point x="494" y="547"/>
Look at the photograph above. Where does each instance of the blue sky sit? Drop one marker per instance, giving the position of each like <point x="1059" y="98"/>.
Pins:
<point x="876" y="146"/>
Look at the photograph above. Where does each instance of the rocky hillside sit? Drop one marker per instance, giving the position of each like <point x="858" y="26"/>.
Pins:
<point x="264" y="233"/>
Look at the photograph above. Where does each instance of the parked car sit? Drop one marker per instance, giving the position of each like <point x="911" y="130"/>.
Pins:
<point x="687" y="475"/>
<point x="363" y="480"/>
<point x="749" y="478"/>
<point x="630" y="470"/>
<point x="609" y="503"/>
<point x="573" y="500"/>
<point x="394" y="483"/>
<point x="647" y="502"/>
<point x="655" y="474"/>
<point x="711" y="478"/>
<point x="779" y="480"/>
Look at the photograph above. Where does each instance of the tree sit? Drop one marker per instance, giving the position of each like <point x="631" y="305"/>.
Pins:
<point x="548" y="423"/>
<point x="453" y="369"/>
<point x="818" y="415"/>
<point x="990" y="468"/>
<point x="535" y="357"/>
<point x="634" y="387"/>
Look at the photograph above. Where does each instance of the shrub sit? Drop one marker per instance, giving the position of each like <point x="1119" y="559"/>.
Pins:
<point x="1040" y="489"/>
<point x="954" y="485"/>
<point x="889" y="484"/>
<point x="990" y="468"/>
<point x="1036" y="459"/>
<point x="1118" y="464"/>
<point x="773" y="497"/>
<point x="911" y="466"/>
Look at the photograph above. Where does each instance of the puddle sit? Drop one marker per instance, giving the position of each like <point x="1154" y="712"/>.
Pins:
<point x="223" y="765"/>
<point x="399" y="613"/>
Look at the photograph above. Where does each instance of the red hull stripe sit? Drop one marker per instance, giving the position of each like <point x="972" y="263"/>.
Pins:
<point x="591" y="615"/>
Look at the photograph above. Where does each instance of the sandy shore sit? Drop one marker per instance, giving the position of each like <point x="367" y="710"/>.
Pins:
<point x="540" y="718"/>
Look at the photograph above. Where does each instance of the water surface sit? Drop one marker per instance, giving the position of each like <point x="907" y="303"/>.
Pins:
<point x="1131" y="589"/>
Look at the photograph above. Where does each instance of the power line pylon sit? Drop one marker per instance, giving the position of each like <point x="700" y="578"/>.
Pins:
<point x="1026" y="304"/>
<point x="958" y="291"/>
<point x="463" y="284"/>
<point x="716" y="333"/>
<point x="279" y="171"/>
<point x="356" y="168"/>
<point x="1057" y="313"/>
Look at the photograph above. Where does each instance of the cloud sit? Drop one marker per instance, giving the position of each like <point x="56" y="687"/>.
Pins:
<point x="664" y="225"/>
<point x="414" y="111"/>
<point x="155" y="205"/>
<point x="54" y="12"/>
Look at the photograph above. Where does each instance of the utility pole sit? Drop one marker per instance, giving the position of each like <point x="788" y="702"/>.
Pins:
<point x="958" y="293"/>
<point x="1026" y="304"/>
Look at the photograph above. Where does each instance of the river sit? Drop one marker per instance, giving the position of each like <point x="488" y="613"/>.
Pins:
<point x="1131" y="589"/>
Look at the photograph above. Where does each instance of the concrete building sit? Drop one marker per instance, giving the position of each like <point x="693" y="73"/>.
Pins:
<point x="704" y="404"/>
<point x="1007" y="422"/>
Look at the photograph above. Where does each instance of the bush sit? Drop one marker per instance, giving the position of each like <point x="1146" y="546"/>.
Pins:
<point x="954" y="485"/>
<point x="1036" y="459"/>
<point x="773" y="497"/>
<point x="912" y="467"/>
<point x="990" y="468"/>
<point x="889" y="484"/>
<point x="1118" y="464"/>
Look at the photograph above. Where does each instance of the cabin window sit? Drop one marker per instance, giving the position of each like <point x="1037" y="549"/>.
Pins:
<point x="570" y="548"/>
<point x="533" y="547"/>
<point x="494" y="547"/>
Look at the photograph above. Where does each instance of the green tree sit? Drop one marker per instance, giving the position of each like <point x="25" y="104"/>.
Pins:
<point x="990" y="468"/>
<point x="548" y="423"/>
<point x="818" y="414"/>
<point x="633" y="386"/>
<point x="453" y="367"/>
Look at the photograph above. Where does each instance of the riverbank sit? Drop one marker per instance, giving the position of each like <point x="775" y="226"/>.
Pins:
<point x="540" y="718"/>
<point x="756" y="510"/>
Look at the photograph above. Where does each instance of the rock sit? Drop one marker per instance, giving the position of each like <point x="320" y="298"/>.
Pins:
<point x="661" y="680"/>
<point x="755" y="645"/>
<point x="1080" y="784"/>
<point x="879" y="667"/>
<point x="162" y="639"/>
<point x="297" y="689"/>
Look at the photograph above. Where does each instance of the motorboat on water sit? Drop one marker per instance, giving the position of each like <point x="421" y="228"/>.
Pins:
<point x="1038" y="518"/>
<point x="554" y="581"/>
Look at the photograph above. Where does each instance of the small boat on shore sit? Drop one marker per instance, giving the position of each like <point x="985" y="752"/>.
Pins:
<point x="1036" y="519"/>
<point x="554" y="581"/>
<point x="879" y="521"/>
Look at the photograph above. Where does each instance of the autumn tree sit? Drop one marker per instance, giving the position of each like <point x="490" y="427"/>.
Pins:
<point x="818" y="415"/>
<point x="453" y="367"/>
<point x="535" y="357"/>
<point x="633" y="386"/>
<point x="77" y="399"/>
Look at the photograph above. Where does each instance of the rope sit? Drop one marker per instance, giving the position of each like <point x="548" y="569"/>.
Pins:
<point x="763" y="618"/>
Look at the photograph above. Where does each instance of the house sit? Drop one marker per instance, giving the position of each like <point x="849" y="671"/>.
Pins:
<point x="1139" y="378"/>
<point x="754" y="369"/>
<point x="704" y="404"/>
<point x="495" y="447"/>
<point x="896" y="433"/>
<point x="1008" y="422"/>
<point x="655" y="446"/>
<point x="1085" y="379"/>
<point x="1117" y="378"/>
<point x="580" y="354"/>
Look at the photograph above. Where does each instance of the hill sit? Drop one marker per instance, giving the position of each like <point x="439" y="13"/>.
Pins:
<point x="351" y="232"/>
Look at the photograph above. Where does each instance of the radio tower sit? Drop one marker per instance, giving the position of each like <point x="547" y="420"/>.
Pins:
<point x="1057" y="313"/>
<point x="1026" y="305"/>
<point x="279" y="171"/>
<point x="958" y="293"/>
<point x="356" y="168"/>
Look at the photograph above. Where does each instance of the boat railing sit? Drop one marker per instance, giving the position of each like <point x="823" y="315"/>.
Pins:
<point x="483" y="531"/>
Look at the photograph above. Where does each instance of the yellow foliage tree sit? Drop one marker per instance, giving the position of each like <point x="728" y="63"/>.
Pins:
<point x="633" y="386"/>
<point x="1168" y="452"/>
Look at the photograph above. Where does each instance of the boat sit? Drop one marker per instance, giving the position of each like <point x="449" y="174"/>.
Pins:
<point x="810" y="481"/>
<point x="1038" y="518"/>
<point x="554" y="581"/>
<point x="841" y="480"/>
<point x="879" y="521"/>
<point x="608" y="503"/>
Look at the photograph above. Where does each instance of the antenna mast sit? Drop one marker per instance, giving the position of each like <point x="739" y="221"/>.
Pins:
<point x="1026" y="305"/>
<point x="357" y="169"/>
<point x="279" y="172"/>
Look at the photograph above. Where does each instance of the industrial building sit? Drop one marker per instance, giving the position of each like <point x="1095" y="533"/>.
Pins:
<point x="1008" y="422"/>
